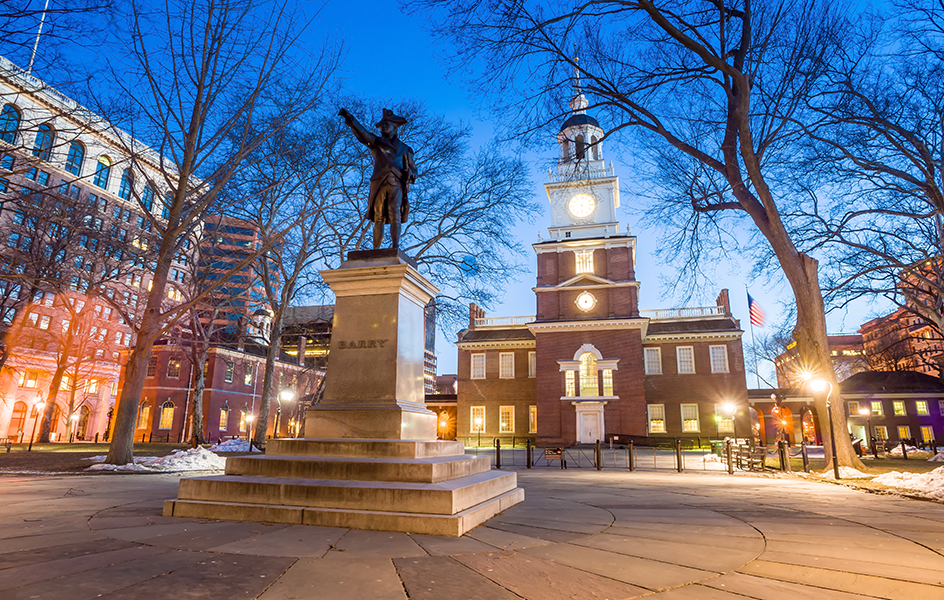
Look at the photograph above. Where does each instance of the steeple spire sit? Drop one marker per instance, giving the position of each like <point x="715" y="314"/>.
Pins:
<point x="578" y="104"/>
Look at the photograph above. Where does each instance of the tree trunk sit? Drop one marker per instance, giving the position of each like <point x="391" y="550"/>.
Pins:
<point x="199" y="384"/>
<point x="275" y="345"/>
<point x="46" y="425"/>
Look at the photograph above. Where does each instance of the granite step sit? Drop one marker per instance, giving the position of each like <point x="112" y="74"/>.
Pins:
<point x="445" y="498"/>
<point x="420" y="523"/>
<point x="418" y="470"/>
<point x="367" y="448"/>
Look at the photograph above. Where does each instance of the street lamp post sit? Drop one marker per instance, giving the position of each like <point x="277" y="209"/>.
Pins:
<point x="819" y="385"/>
<point x="249" y="419"/>
<point x="40" y="406"/>
<point x="478" y="427"/>
<point x="731" y="408"/>
<point x="867" y="413"/>
<point x="285" y="395"/>
<point x="74" y="417"/>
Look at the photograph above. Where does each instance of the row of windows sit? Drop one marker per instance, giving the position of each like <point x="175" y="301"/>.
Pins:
<point x="506" y="365"/>
<point x="685" y="359"/>
<point x="506" y="419"/>
<point x="904" y="432"/>
<point x="691" y="422"/>
<point x="173" y="370"/>
<point x="29" y="379"/>
<point x="876" y="408"/>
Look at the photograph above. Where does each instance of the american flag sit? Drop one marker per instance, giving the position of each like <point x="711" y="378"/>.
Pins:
<point x="757" y="313"/>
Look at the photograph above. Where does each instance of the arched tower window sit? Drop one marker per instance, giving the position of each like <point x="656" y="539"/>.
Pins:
<point x="42" y="148"/>
<point x="581" y="147"/>
<point x="595" y="143"/>
<point x="75" y="158"/>
<point x="144" y="414"/>
<point x="589" y="385"/>
<point x="102" y="171"/>
<point x="167" y="415"/>
<point x="224" y="418"/>
<point x="9" y="123"/>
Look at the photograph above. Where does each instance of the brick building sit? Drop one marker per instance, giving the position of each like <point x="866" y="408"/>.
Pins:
<point x="590" y="365"/>
<point x="848" y="357"/>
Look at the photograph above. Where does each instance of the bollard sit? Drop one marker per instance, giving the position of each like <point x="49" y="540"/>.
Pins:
<point x="678" y="455"/>
<point x="933" y="448"/>
<point x="150" y="437"/>
<point x="904" y="450"/>
<point x="96" y="437"/>
<point x="527" y="452"/>
<point x="727" y="449"/>
<point x="806" y="457"/>
<point x="497" y="453"/>
<point x="786" y="456"/>
<point x="598" y="456"/>
<point x="632" y="456"/>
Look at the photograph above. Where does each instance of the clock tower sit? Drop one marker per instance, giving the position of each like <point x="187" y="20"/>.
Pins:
<point x="588" y="332"/>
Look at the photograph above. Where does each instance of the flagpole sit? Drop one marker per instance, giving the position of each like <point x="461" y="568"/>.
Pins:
<point x="753" y="343"/>
<point x="39" y="32"/>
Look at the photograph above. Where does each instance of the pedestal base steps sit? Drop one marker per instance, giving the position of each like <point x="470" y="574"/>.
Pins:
<point x="426" y="487"/>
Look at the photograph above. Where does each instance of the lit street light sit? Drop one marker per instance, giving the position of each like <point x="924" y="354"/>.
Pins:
<point x="74" y="417"/>
<point x="867" y="413"/>
<point x="478" y="427"/>
<point x="285" y="395"/>
<point x="731" y="409"/>
<point x="818" y="385"/>
<point x="39" y="406"/>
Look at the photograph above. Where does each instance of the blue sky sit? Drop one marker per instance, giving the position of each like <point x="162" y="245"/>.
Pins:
<point x="378" y="25"/>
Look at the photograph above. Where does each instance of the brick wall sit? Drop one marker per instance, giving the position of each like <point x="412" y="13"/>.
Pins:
<point x="493" y="393"/>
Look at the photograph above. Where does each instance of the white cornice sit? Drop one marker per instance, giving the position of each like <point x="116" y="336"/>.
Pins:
<point x="495" y="344"/>
<point x="577" y="286"/>
<point x="617" y="241"/>
<point x="717" y="336"/>
<point x="598" y="325"/>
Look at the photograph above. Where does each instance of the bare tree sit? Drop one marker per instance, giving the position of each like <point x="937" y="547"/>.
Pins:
<point x="210" y="82"/>
<point x="711" y="89"/>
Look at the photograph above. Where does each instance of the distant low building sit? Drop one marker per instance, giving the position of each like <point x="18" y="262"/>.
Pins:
<point x="847" y="352"/>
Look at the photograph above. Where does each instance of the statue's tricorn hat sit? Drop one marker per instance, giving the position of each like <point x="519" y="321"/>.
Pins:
<point x="391" y="118"/>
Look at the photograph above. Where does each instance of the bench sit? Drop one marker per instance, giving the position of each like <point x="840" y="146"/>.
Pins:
<point x="748" y="458"/>
<point x="6" y="441"/>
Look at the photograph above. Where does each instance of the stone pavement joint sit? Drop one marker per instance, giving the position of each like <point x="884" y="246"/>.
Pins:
<point x="579" y="535"/>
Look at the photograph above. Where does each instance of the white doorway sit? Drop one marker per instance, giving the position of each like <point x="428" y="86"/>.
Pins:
<point x="590" y="425"/>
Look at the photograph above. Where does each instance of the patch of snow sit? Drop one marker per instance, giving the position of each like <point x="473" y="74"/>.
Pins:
<point x="896" y="450"/>
<point x="845" y="473"/>
<point x="939" y="457"/>
<point x="929" y="484"/>
<point x="233" y="446"/>
<point x="194" y="459"/>
<point x="99" y="458"/>
<point x="711" y="458"/>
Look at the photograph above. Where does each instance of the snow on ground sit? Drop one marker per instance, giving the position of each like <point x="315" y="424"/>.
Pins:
<point x="711" y="458"/>
<point x="929" y="484"/>
<point x="194" y="459"/>
<point x="844" y="473"/>
<point x="896" y="450"/>
<point x="939" y="457"/>
<point x="233" y="446"/>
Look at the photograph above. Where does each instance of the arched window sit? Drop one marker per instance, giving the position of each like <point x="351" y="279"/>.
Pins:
<point x="581" y="147"/>
<point x="224" y="418"/>
<point x="102" y="171"/>
<point x="595" y="143"/>
<point x="167" y="415"/>
<point x="9" y="123"/>
<point x="144" y="415"/>
<point x="589" y="385"/>
<point x="147" y="197"/>
<point x="17" y="421"/>
<point x="243" y="413"/>
<point x="124" y="190"/>
<point x="74" y="159"/>
<point x="42" y="148"/>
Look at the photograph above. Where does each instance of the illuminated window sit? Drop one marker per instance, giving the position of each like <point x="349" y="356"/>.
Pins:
<point x="904" y="432"/>
<point x="584" y="261"/>
<point x="506" y="365"/>
<point x="685" y="355"/>
<point x="224" y="418"/>
<point x="877" y="409"/>
<point x="725" y="422"/>
<point x="690" y="418"/>
<point x="607" y="382"/>
<point x="899" y="408"/>
<point x="92" y="386"/>
<point x="506" y="419"/>
<point x="478" y="366"/>
<point x="167" y="415"/>
<point x="44" y="321"/>
<point x="144" y="414"/>
<point x="66" y="382"/>
<point x="881" y="432"/>
<point x="478" y="419"/>
<point x="927" y="433"/>
<point x="532" y="364"/>
<point x="653" y="361"/>
<point x="532" y="419"/>
<point x="656" y="418"/>
<point x="173" y="368"/>
<point x="33" y="319"/>
<point x="230" y="369"/>
<point x="853" y="408"/>
<point x="570" y="385"/>
<point x="242" y="419"/>
<point x="28" y="379"/>
<point x="921" y="406"/>
<point x="589" y="382"/>
<point x="247" y="378"/>
<point x="719" y="358"/>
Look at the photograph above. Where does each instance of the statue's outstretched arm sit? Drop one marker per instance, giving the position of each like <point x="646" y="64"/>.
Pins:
<point x="360" y="132"/>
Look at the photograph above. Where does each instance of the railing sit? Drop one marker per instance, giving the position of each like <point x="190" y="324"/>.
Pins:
<point x="683" y="313"/>
<point x="581" y="173"/>
<point x="503" y="321"/>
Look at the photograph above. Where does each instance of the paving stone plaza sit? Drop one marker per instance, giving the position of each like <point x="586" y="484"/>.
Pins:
<point x="578" y="535"/>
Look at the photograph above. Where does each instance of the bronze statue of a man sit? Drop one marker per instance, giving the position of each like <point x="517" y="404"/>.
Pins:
<point x="394" y="171"/>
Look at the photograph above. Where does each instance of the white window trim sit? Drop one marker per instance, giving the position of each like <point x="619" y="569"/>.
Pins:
<point x="472" y="428"/>
<point x="727" y="364"/>
<point x="472" y="360"/>
<point x="532" y="410"/>
<point x="532" y="364"/>
<point x="649" y="408"/>
<point x="501" y="374"/>
<point x="855" y="412"/>
<point x="678" y="360"/>
<point x="512" y="409"/>
<point x="697" y="417"/>
<point x="645" y="361"/>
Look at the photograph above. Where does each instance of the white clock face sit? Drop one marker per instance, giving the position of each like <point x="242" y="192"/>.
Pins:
<point x="581" y="205"/>
<point x="585" y="301"/>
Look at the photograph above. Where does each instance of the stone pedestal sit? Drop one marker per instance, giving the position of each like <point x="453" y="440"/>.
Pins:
<point x="373" y="461"/>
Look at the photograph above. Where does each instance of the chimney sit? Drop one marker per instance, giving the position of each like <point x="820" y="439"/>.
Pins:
<point x="475" y="312"/>
<point x="725" y="302"/>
